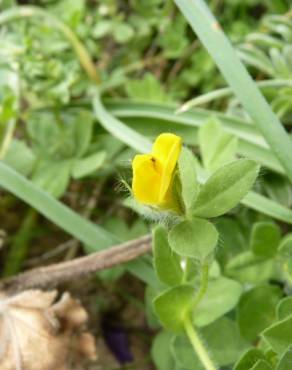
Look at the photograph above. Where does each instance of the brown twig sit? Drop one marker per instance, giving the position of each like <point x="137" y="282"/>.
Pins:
<point x="65" y="271"/>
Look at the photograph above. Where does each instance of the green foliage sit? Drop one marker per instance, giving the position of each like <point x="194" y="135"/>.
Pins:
<point x="166" y="261"/>
<point x="222" y="352"/>
<point x="249" y="359"/>
<point x="160" y="351"/>
<point x="285" y="360"/>
<point x="265" y="239"/>
<point x="188" y="178"/>
<point x="173" y="306"/>
<point x="196" y="238"/>
<point x="256" y="310"/>
<point x="225" y="188"/>
<point x="230" y="278"/>
<point x="217" y="146"/>
<point x="146" y="89"/>
<point x="284" y="308"/>
<point x="279" y="336"/>
<point x="221" y="296"/>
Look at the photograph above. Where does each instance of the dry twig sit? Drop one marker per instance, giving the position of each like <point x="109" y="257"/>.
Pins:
<point x="65" y="271"/>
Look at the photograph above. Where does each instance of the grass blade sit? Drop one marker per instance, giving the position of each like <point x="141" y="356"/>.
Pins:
<point x="118" y="129"/>
<point x="92" y="235"/>
<point x="227" y="92"/>
<point x="258" y="202"/>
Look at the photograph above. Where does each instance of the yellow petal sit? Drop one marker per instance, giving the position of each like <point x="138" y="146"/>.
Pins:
<point x="166" y="149"/>
<point x="146" y="179"/>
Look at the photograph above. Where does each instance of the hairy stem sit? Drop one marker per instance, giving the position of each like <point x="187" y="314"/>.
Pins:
<point x="203" y="285"/>
<point x="198" y="346"/>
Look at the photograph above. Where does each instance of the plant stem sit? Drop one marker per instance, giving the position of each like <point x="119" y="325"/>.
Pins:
<point x="198" y="345"/>
<point x="203" y="285"/>
<point x="189" y="328"/>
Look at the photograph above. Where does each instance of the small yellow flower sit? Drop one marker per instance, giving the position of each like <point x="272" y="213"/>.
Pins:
<point x="153" y="173"/>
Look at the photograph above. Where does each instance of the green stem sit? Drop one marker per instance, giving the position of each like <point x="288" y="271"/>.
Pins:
<point x="198" y="346"/>
<point x="203" y="285"/>
<point x="189" y="328"/>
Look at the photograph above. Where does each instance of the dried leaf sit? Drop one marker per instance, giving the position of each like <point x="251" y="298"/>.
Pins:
<point x="36" y="333"/>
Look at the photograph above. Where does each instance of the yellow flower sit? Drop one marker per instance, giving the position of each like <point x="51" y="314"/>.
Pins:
<point x="153" y="173"/>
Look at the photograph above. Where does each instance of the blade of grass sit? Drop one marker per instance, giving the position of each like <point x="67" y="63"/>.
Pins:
<point x="196" y="118"/>
<point x="226" y="92"/>
<point x="92" y="235"/>
<point x="257" y="202"/>
<point x="208" y="30"/>
<point x="117" y="128"/>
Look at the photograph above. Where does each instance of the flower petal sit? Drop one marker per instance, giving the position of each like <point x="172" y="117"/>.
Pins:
<point x="146" y="179"/>
<point x="166" y="149"/>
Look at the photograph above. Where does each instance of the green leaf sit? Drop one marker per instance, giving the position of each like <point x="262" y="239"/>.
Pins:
<point x="196" y="238"/>
<point x="53" y="176"/>
<point x="146" y="89"/>
<point x="249" y="359"/>
<point x="278" y="188"/>
<point x="64" y="137"/>
<point x="166" y="262"/>
<point x="184" y="353"/>
<point x="261" y="365"/>
<point x="173" y="39"/>
<point x="118" y="129"/>
<point x="285" y="361"/>
<point x="81" y="131"/>
<point x="88" y="165"/>
<point x="248" y="268"/>
<point x="102" y="28"/>
<point x="225" y="188"/>
<point x="188" y="178"/>
<point x="122" y="32"/>
<point x="256" y="310"/>
<point x="221" y="297"/>
<point x="232" y="239"/>
<point x="265" y="239"/>
<point x="20" y="157"/>
<point x="227" y="351"/>
<point x="279" y="335"/>
<point x="285" y="247"/>
<point x="173" y="305"/>
<point x="284" y="308"/>
<point x="160" y="351"/>
<point x="217" y="146"/>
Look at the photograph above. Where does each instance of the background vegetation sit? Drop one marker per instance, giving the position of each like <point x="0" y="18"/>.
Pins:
<point x="73" y="143"/>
